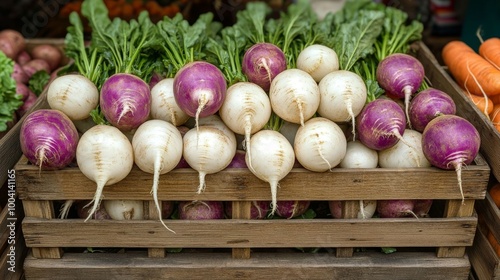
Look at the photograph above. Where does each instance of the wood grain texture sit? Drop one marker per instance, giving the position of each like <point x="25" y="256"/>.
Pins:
<point x="372" y="266"/>
<point x="240" y="184"/>
<point x="483" y="259"/>
<point x="440" y="79"/>
<point x="241" y="210"/>
<point x="235" y="233"/>
<point x="490" y="213"/>
<point x="45" y="211"/>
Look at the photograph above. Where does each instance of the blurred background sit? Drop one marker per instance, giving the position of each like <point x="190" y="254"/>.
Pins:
<point x="444" y="20"/>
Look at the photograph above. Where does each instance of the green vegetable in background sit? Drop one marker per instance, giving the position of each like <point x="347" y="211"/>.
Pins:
<point x="9" y="100"/>
<point x="38" y="81"/>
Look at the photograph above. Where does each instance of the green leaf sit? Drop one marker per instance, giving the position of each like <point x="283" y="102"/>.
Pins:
<point x="388" y="250"/>
<point x="10" y="101"/>
<point x="38" y="81"/>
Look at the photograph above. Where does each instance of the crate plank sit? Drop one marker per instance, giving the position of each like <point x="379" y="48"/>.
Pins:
<point x="488" y="210"/>
<point x="235" y="233"/>
<point x="240" y="184"/>
<point x="373" y="266"/>
<point x="483" y="258"/>
<point x="440" y="79"/>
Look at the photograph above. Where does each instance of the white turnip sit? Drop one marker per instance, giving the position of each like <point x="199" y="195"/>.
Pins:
<point x="366" y="211"/>
<point x="271" y="160"/>
<point x="404" y="155"/>
<point x="163" y="105"/>
<point x="320" y="144"/>
<point x="359" y="156"/>
<point x="318" y="61"/>
<point x="104" y="155"/>
<point x="294" y="96"/>
<point x="124" y="209"/>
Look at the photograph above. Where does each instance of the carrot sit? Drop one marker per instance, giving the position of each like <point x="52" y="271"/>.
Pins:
<point x="494" y="192"/>
<point x="494" y="243"/>
<point x="470" y="70"/>
<point x="495" y="99"/>
<point x="483" y="103"/>
<point x="495" y="116"/>
<point x="489" y="49"/>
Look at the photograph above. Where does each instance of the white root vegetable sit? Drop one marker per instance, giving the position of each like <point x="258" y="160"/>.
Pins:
<point x="271" y="160"/>
<point x="104" y="155"/>
<point x="343" y="96"/>
<point x="208" y="149"/>
<point x="320" y="144"/>
<point x="405" y="154"/>
<point x="294" y="96"/>
<point x="245" y="110"/>
<point x="359" y="156"/>
<point x="157" y="146"/>
<point x="163" y="105"/>
<point x="74" y="95"/>
<point x="318" y="61"/>
<point x="124" y="209"/>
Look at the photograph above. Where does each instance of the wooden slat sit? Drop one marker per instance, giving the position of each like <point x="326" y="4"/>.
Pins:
<point x="490" y="213"/>
<point x="456" y="208"/>
<point x="241" y="184"/>
<point x="45" y="211"/>
<point x="350" y="210"/>
<point x="484" y="260"/>
<point x="235" y="233"/>
<point x="440" y="79"/>
<point x="152" y="214"/>
<point x="241" y="210"/>
<point x="373" y="266"/>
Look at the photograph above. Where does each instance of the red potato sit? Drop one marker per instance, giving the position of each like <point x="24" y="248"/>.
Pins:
<point x="23" y="90"/>
<point x="28" y="103"/>
<point x="19" y="75"/>
<point x="23" y="57"/>
<point x="12" y="43"/>
<point x="49" y="53"/>
<point x="36" y="65"/>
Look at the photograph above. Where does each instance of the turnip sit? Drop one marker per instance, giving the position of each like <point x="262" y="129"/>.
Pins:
<point x="366" y="211"/>
<point x="404" y="155"/>
<point x="398" y="208"/>
<point x="320" y="144"/>
<point x="272" y="159"/>
<point x="318" y="61"/>
<point x="246" y="110"/>
<point x="359" y="156"/>
<point x="428" y="104"/>
<point x="400" y="75"/>
<point x="262" y="62"/>
<point x="380" y="124"/>
<point x="258" y="209"/>
<point x="157" y="147"/>
<point x="421" y="207"/>
<point x="207" y="149"/>
<point x="450" y="142"/>
<point x="238" y="160"/>
<point x="291" y="208"/>
<point x="125" y="101"/>
<point x="167" y="208"/>
<point x="182" y="162"/>
<point x="294" y="96"/>
<point x="82" y="210"/>
<point x="124" y="209"/>
<point x="163" y="104"/>
<point x="48" y="139"/>
<point x="343" y="96"/>
<point x="104" y="155"/>
<point x="73" y="94"/>
<point x="199" y="89"/>
<point x="201" y="210"/>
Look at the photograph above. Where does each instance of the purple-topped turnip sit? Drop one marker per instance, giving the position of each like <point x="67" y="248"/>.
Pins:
<point x="400" y="75"/>
<point x="450" y="142"/>
<point x="262" y="62"/>
<point x="201" y="210"/>
<point x="258" y="209"/>
<point x="428" y="104"/>
<point x="291" y="208"/>
<point x="397" y="208"/>
<point x="49" y="139"/>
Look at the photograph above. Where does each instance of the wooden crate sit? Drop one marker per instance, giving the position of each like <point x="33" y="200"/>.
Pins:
<point x="441" y="79"/>
<point x="240" y="248"/>
<point x="484" y="260"/>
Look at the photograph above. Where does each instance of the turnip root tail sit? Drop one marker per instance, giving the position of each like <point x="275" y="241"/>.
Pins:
<point x="154" y="190"/>
<point x="97" y="198"/>
<point x="202" y="102"/>
<point x="248" y="132"/>
<point x="274" y="194"/>
<point x="362" y="209"/>
<point x="263" y="64"/>
<point x="202" y="185"/>
<point x="63" y="213"/>
<point x="458" y="169"/>
<point x="353" y="118"/>
<point x="128" y="106"/>
<point x="408" y="90"/>
<point x="318" y="145"/>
